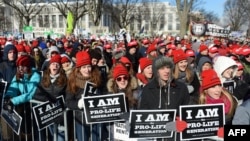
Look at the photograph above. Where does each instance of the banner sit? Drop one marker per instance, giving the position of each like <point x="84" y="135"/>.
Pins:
<point x="206" y="29"/>
<point x="70" y="22"/>
<point x="203" y="121"/>
<point x="47" y="112"/>
<point x="104" y="108"/>
<point x="150" y="123"/>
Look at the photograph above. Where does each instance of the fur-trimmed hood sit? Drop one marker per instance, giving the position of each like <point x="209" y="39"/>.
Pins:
<point x="133" y="84"/>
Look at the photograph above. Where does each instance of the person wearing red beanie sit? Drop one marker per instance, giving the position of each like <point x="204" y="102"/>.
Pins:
<point x="212" y="92"/>
<point x="121" y="81"/>
<point x="82" y="73"/>
<point x="21" y="90"/>
<point x="52" y="85"/>
<point x="146" y="71"/>
<point x="184" y="73"/>
<point x="67" y="64"/>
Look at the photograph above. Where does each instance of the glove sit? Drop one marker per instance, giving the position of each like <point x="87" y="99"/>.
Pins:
<point x="80" y="103"/>
<point x="178" y="125"/>
<point x="8" y="105"/>
<point x="220" y="132"/>
<point x="190" y="88"/>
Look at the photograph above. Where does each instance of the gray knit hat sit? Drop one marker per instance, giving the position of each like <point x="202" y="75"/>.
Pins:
<point x="162" y="61"/>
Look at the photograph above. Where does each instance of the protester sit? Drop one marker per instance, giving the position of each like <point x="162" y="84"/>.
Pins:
<point x="52" y="85"/>
<point x="82" y="73"/>
<point x="184" y="73"/>
<point x="21" y="90"/>
<point x="8" y="70"/>
<point x="212" y="92"/>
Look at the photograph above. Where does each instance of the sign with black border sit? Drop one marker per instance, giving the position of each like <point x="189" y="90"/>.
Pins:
<point x="13" y="119"/>
<point x="46" y="113"/>
<point x="89" y="89"/>
<point x="104" y="108"/>
<point x="203" y="120"/>
<point x="150" y="123"/>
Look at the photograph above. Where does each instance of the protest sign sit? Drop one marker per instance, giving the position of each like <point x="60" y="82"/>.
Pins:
<point x="150" y="123"/>
<point x="104" y="108"/>
<point x="89" y="89"/>
<point x="13" y="119"/>
<point x="46" y="113"/>
<point x="121" y="132"/>
<point x="203" y="121"/>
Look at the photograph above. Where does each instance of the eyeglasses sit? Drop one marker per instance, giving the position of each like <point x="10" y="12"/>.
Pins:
<point x="120" y="78"/>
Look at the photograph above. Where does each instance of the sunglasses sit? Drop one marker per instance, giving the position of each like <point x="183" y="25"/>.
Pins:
<point x="121" y="78"/>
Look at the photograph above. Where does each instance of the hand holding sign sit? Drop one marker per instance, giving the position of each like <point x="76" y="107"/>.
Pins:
<point x="80" y="103"/>
<point x="178" y="125"/>
<point x="8" y="105"/>
<point x="220" y="132"/>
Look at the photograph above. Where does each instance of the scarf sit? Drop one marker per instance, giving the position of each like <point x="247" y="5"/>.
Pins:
<point x="223" y="99"/>
<point x="54" y="77"/>
<point x="80" y="81"/>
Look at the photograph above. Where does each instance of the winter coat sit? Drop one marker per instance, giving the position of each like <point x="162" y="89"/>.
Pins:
<point x="72" y="103"/>
<point x="242" y="114"/>
<point x="23" y="91"/>
<point x="151" y="99"/>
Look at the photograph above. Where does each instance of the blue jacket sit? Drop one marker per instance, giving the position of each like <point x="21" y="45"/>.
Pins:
<point x="24" y="90"/>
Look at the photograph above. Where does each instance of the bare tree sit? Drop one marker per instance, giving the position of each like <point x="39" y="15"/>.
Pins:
<point x="153" y="13"/>
<point x="122" y="11"/>
<point x="26" y="9"/>
<point x="96" y="10"/>
<point x="183" y="10"/>
<point x="235" y="14"/>
<point x="77" y="7"/>
<point x="245" y="4"/>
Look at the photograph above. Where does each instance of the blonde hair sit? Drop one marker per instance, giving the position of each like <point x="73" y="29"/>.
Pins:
<point x="224" y="92"/>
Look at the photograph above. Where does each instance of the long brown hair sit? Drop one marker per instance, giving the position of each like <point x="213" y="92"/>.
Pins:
<point x="62" y="79"/>
<point x="189" y="73"/>
<point x="72" y="86"/>
<point x="131" y="87"/>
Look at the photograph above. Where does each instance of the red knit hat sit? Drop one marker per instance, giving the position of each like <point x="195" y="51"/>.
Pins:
<point x="144" y="62"/>
<point x="20" y="48"/>
<point x="213" y="50"/>
<point x="132" y="44"/>
<point x="209" y="79"/>
<point x="64" y="59"/>
<point x="23" y="60"/>
<point x="118" y="70"/>
<point x="190" y="53"/>
<point x="179" y="55"/>
<point x="125" y="60"/>
<point x="28" y="49"/>
<point x="240" y="66"/>
<point x="203" y="47"/>
<point x="152" y="47"/>
<point x="82" y="58"/>
<point x="55" y="59"/>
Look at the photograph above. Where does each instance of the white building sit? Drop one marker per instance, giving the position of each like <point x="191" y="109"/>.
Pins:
<point x="157" y="18"/>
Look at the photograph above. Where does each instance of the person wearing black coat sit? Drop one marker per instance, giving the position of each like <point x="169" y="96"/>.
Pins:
<point x="164" y="92"/>
<point x="53" y="85"/>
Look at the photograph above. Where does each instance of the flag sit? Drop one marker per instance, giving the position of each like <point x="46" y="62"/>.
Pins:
<point x="70" y="22"/>
<point x="142" y="30"/>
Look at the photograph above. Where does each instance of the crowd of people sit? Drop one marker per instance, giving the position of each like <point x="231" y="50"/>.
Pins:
<point x="152" y="72"/>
